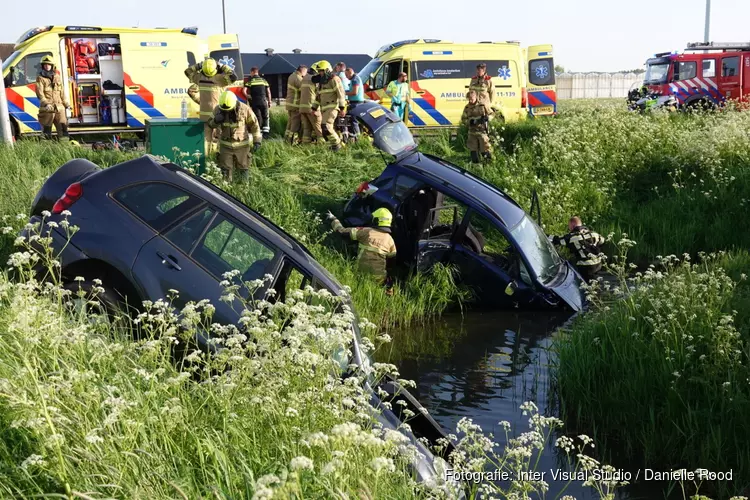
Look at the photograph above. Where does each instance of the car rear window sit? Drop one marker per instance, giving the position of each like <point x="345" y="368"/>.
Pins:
<point x="155" y="203"/>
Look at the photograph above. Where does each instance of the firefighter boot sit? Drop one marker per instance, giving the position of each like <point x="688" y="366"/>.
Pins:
<point x="64" y="136"/>
<point x="475" y="157"/>
<point x="487" y="156"/>
<point x="47" y="131"/>
<point x="243" y="175"/>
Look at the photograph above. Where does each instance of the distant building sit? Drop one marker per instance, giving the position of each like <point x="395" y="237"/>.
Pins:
<point x="277" y="67"/>
<point x="6" y="49"/>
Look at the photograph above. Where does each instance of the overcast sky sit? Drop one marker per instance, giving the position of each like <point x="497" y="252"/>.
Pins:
<point x="588" y="35"/>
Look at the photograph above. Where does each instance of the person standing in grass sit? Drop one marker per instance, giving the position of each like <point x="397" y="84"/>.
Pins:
<point x="476" y="117"/>
<point x="398" y="91"/>
<point x="236" y="123"/>
<point x="584" y="244"/>
<point x="376" y="244"/>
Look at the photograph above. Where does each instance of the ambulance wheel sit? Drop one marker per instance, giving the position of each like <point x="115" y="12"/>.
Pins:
<point x="15" y="130"/>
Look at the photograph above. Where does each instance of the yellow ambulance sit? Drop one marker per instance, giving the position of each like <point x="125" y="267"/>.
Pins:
<point x="439" y="73"/>
<point x="114" y="78"/>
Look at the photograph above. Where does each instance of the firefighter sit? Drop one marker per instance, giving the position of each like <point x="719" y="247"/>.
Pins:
<point x="376" y="244"/>
<point x="481" y="83"/>
<point x="236" y="123"/>
<point x="293" y="88"/>
<point x="476" y="117"/>
<point x="584" y="244"/>
<point x="52" y="102"/>
<point x="309" y="108"/>
<point x="332" y="101"/>
<point x="194" y="93"/>
<point x="211" y="78"/>
<point x="258" y="93"/>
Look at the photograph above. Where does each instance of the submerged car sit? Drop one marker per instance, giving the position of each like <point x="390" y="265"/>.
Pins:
<point x="146" y="227"/>
<point x="444" y="214"/>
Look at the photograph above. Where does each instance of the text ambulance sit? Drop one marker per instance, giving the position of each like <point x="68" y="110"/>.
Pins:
<point x="114" y="78"/>
<point x="439" y="73"/>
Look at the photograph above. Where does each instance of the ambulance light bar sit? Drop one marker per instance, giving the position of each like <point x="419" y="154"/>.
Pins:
<point x="192" y="30"/>
<point x="82" y="28"/>
<point x="718" y="46"/>
<point x="32" y="33"/>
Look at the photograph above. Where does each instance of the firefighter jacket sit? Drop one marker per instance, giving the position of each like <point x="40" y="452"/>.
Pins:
<point x="375" y="246"/>
<point x="476" y="117"/>
<point x="49" y="90"/>
<point x="484" y="88"/>
<point x="308" y="97"/>
<point x="257" y="89"/>
<point x="584" y="244"/>
<point x="293" y="88"/>
<point x="332" y="93"/>
<point x="236" y="127"/>
<point x="194" y="93"/>
<point x="210" y="87"/>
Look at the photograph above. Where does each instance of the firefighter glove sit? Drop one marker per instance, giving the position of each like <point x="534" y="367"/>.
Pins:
<point x="330" y="216"/>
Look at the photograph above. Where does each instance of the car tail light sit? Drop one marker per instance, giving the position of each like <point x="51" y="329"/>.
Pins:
<point x="365" y="189"/>
<point x="524" y="98"/>
<point x="72" y="195"/>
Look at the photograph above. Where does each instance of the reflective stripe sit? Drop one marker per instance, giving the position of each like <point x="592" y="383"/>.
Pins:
<point x="367" y="248"/>
<point x="353" y="233"/>
<point x="206" y="113"/>
<point x="235" y="145"/>
<point x="207" y="87"/>
<point x="589" y="262"/>
<point x="329" y="106"/>
<point x="328" y="91"/>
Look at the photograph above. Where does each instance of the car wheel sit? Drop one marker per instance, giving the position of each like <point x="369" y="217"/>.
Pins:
<point x="102" y="304"/>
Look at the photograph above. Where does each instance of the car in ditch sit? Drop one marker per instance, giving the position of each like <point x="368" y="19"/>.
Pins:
<point x="146" y="227"/>
<point x="445" y="214"/>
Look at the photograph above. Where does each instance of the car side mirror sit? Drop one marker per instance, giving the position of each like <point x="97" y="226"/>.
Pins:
<point x="511" y="288"/>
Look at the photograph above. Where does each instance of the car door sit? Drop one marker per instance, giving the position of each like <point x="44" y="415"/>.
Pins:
<point x="489" y="263"/>
<point x="194" y="255"/>
<point x="729" y="83"/>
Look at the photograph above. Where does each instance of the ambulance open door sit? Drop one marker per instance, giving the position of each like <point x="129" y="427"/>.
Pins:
<point x="225" y="49"/>
<point x="540" y="81"/>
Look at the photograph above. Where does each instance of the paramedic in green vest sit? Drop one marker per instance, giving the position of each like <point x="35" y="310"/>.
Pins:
<point x="398" y="91"/>
<point x="376" y="244"/>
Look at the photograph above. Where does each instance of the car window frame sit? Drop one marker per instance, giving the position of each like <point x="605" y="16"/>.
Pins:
<point x="167" y="219"/>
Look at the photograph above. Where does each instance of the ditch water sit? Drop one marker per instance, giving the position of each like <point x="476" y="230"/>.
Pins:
<point x="483" y="366"/>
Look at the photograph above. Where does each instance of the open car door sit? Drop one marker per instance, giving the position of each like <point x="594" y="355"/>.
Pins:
<point x="225" y="49"/>
<point x="540" y="78"/>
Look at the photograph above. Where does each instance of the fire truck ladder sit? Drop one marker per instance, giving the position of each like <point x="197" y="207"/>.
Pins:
<point x="725" y="46"/>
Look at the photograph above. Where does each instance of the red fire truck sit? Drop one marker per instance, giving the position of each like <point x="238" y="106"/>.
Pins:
<point x="705" y="74"/>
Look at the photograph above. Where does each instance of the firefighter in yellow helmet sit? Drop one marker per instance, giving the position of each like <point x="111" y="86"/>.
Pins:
<point x="293" y="88"/>
<point x="236" y="123"/>
<point x="211" y="79"/>
<point x="52" y="102"/>
<point x="376" y="244"/>
<point x="309" y="108"/>
<point x="476" y="117"/>
<point x="332" y="101"/>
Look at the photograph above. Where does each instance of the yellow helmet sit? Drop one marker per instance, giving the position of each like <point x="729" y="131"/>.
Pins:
<point x="314" y="67"/>
<point x="382" y="217"/>
<point x="210" y="67"/>
<point x="323" y="66"/>
<point x="48" y="60"/>
<point x="227" y="100"/>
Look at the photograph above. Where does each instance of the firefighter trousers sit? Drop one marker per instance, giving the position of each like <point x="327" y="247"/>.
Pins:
<point x="293" y="125"/>
<point x="479" y="142"/>
<point x="56" y="118"/>
<point x="312" y="124"/>
<point x="210" y="136"/>
<point x="231" y="159"/>
<point x="329" y="126"/>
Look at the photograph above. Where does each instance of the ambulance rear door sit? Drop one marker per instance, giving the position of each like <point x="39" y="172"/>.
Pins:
<point x="541" y="88"/>
<point x="225" y="49"/>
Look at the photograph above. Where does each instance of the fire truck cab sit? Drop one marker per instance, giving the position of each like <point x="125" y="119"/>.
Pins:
<point x="704" y="75"/>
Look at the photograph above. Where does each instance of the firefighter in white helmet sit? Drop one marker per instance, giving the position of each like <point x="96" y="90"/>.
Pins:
<point x="236" y="123"/>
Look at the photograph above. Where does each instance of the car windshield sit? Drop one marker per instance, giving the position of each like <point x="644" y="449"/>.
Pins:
<point x="10" y="60"/>
<point x="394" y="138"/>
<point x="656" y="73"/>
<point x="370" y="68"/>
<point x="542" y="256"/>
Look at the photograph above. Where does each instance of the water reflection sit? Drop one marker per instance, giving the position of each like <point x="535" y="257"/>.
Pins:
<point x="484" y="366"/>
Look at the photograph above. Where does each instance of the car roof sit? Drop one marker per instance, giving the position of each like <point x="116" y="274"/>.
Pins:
<point x="439" y="172"/>
<point x="234" y="207"/>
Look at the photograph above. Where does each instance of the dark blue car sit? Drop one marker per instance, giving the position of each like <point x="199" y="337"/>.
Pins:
<point x="148" y="227"/>
<point x="444" y="214"/>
